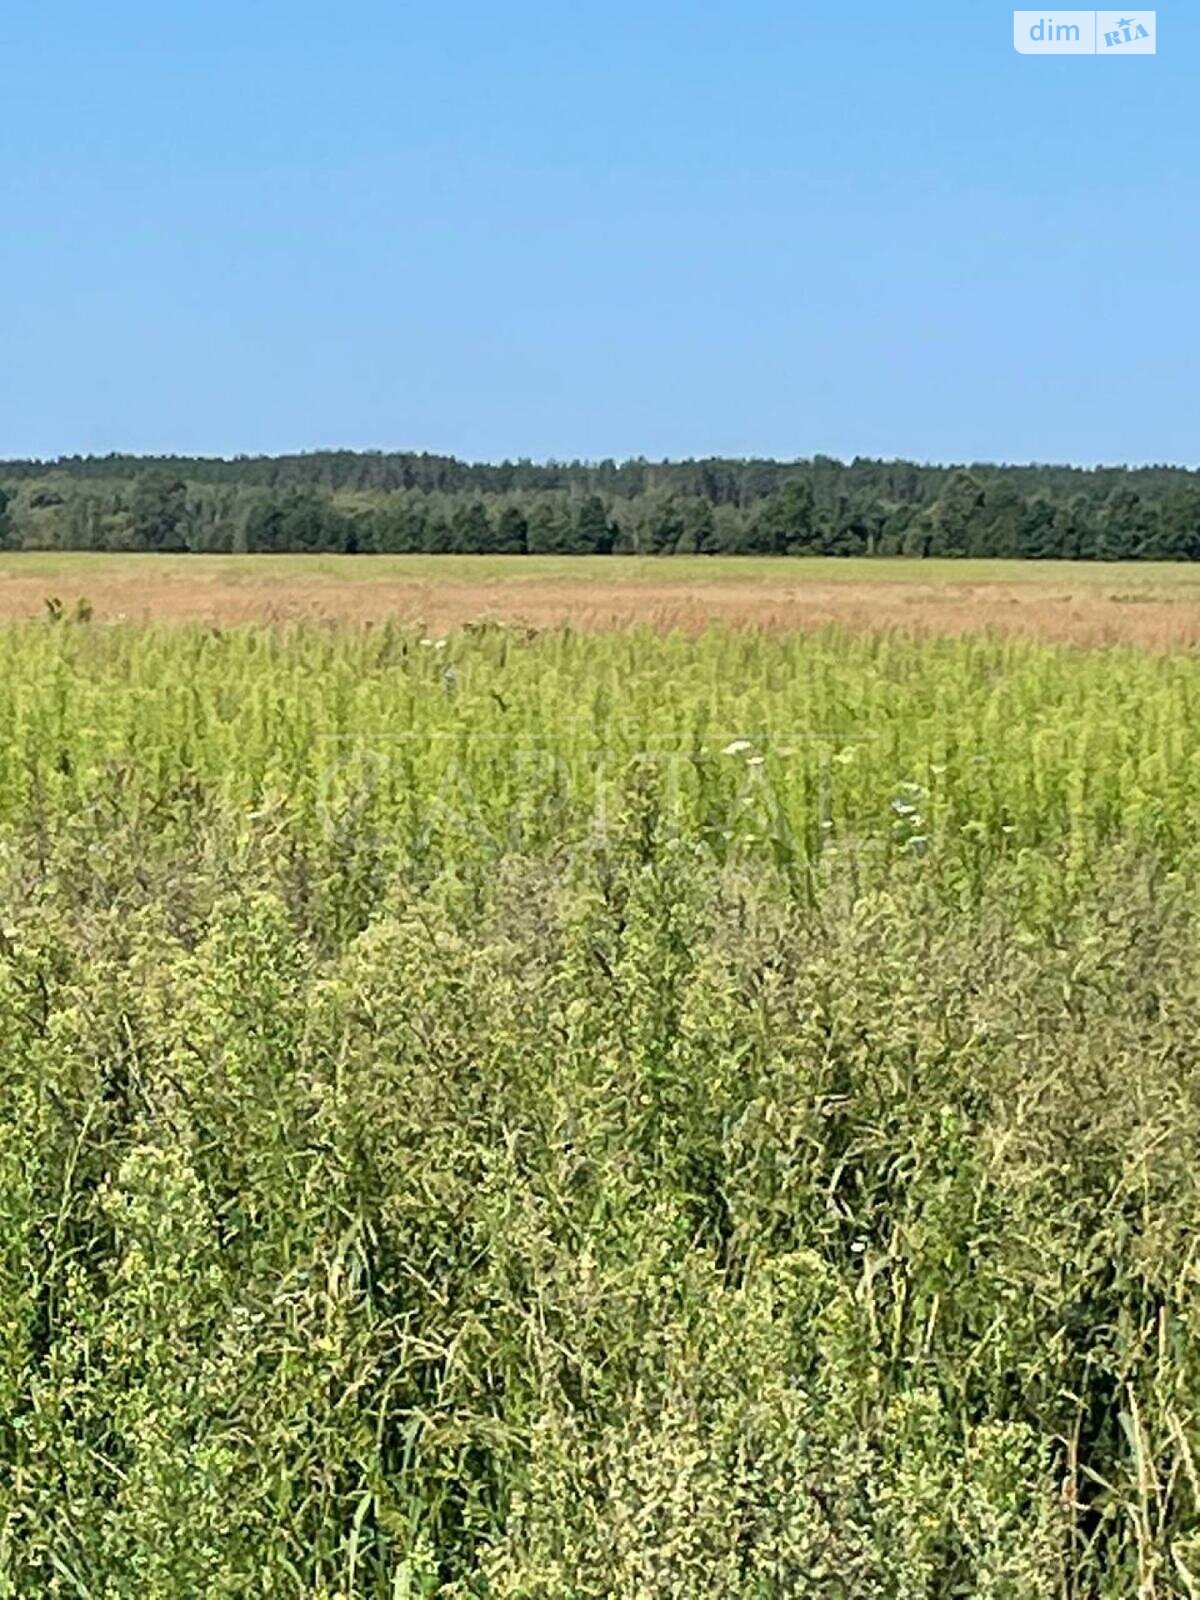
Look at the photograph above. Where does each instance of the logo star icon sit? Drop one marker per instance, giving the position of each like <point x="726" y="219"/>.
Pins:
<point x="1125" y="22"/>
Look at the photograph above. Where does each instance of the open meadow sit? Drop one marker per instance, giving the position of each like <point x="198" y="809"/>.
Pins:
<point x="1156" y="604"/>
<point x="599" y="803"/>
<point x="648" y="1109"/>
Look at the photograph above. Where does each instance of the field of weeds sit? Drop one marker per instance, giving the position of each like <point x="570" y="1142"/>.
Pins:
<point x="556" y="1116"/>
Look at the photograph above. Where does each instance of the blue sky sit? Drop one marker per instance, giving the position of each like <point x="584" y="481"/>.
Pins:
<point x="547" y="229"/>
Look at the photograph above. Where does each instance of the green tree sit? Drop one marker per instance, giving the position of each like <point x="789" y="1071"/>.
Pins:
<point x="472" y="529"/>
<point x="1039" y="541"/>
<point x="1004" y="507"/>
<point x="1119" y="529"/>
<point x="841" y="530"/>
<point x="157" y="506"/>
<point x="594" y="534"/>
<point x="298" y="520"/>
<point x="397" y="526"/>
<point x="1071" y="530"/>
<point x="785" y="522"/>
<point x="699" y="527"/>
<point x="658" y="524"/>
<point x="512" y="532"/>
<point x="550" y="529"/>
<point x="956" y="518"/>
<point x="1177" y="535"/>
<point x="436" y="532"/>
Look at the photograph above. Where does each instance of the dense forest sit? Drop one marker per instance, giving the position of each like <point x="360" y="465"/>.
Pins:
<point x="372" y="502"/>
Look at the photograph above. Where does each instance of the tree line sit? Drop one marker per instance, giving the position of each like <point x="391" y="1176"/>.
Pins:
<point x="362" y="503"/>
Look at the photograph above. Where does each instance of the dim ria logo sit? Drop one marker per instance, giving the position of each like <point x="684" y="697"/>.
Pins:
<point x="1085" y="33"/>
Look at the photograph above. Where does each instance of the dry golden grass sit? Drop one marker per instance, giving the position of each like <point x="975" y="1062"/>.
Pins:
<point x="1153" y="606"/>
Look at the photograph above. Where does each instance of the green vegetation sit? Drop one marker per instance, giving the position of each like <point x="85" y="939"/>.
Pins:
<point x="1150" y="580"/>
<point x="577" y="1116"/>
<point x="359" y="503"/>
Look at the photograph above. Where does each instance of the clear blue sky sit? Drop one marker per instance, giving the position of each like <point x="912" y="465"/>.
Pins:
<point x="530" y="227"/>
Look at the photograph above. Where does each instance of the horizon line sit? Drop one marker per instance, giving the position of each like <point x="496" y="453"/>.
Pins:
<point x="584" y="462"/>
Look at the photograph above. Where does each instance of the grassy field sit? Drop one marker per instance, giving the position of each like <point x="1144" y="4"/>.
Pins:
<point x="1143" y="603"/>
<point x="1159" y="578"/>
<point x="565" y="1115"/>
